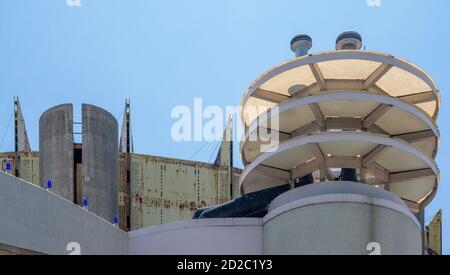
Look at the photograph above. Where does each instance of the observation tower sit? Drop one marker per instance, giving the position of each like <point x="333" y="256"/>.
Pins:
<point x="354" y="135"/>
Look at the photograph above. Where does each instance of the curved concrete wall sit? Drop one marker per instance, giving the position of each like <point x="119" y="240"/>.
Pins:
<point x="329" y="221"/>
<point x="100" y="167"/>
<point x="56" y="150"/>
<point x="41" y="221"/>
<point x="200" y="237"/>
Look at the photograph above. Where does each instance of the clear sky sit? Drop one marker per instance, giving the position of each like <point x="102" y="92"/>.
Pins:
<point x="164" y="53"/>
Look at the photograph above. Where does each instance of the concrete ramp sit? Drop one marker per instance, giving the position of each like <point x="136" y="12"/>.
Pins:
<point x="37" y="220"/>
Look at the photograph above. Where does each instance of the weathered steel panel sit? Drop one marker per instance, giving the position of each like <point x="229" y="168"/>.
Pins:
<point x="433" y="234"/>
<point x="29" y="167"/>
<point x="136" y="189"/>
<point x="56" y="150"/>
<point x="208" y="187"/>
<point x="165" y="190"/>
<point x="100" y="165"/>
<point x="152" y="177"/>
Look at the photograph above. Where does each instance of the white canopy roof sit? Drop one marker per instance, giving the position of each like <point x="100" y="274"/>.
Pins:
<point x="345" y="111"/>
<point x="337" y="70"/>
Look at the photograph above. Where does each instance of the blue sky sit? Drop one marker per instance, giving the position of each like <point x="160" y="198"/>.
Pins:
<point x="164" y="53"/>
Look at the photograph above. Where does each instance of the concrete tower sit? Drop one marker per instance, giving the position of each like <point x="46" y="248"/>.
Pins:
<point x="100" y="167"/>
<point x="56" y="145"/>
<point x="88" y="170"/>
<point x="357" y="131"/>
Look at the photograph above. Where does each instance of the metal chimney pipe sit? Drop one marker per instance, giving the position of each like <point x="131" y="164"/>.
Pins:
<point x="349" y="40"/>
<point x="301" y="44"/>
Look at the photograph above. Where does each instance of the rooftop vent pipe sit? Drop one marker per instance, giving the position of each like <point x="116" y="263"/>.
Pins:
<point x="301" y="44"/>
<point x="349" y="40"/>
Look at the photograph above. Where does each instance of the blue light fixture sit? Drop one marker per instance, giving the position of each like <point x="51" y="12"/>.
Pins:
<point x="85" y="203"/>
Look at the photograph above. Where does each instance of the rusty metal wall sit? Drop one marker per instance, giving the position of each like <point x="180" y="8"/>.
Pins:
<point x="433" y="234"/>
<point x="29" y="167"/>
<point x="165" y="190"/>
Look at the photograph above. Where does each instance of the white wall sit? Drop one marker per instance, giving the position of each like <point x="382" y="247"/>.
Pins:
<point x="328" y="218"/>
<point x="340" y="218"/>
<point x="200" y="237"/>
<point x="342" y="228"/>
<point x="35" y="219"/>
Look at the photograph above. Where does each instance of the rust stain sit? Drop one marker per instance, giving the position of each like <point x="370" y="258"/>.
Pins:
<point x="171" y="190"/>
<point x="192" y="206"/>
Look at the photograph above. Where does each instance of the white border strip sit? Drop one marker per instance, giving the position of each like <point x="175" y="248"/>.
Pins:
<point x="181" y="225"/>
<point x="343" y="95"/>
<point x="340" y="136"/>
<point x="340" y="198"/>
<point x="343" y="55"/>
<point x="347" y="95"/>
